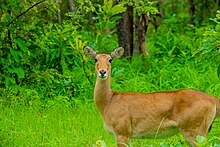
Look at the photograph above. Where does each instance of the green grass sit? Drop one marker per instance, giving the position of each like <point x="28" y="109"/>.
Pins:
<point x="65" y="126"/>
<point x="55" y="126"/>
<point x="26" y="121"/>
<point x="80" y="124"/>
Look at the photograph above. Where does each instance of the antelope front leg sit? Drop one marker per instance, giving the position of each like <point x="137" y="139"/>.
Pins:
<point x="122" y="141"/>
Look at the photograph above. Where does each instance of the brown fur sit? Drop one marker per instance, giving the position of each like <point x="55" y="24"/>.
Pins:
<point x="152" y="115"/>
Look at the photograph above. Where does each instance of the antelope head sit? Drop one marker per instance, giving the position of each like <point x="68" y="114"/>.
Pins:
<point x="103" y="61"/>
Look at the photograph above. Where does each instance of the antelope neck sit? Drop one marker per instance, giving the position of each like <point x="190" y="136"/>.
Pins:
<point x="102" y="93"/>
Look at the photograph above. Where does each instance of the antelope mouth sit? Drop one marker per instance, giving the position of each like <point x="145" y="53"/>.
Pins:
<point x="102" y="77"/>
<point x="102" y="74"/>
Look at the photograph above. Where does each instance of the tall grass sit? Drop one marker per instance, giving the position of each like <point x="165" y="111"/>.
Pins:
<point x="80" y="124"/>
<point x="56" y="126"/>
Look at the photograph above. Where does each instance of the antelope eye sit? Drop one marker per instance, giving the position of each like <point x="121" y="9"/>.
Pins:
<point x="96" y="60"/>
<point x="110" y="60"/>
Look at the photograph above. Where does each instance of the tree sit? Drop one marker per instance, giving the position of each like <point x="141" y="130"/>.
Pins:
<point x="125" y="30"/>
<point x="192" y="11"/>
<point x="64" y="7"/>
<point x="133" y="25"/>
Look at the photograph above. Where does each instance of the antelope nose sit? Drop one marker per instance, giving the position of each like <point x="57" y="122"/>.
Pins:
<point x="102" y="73"/>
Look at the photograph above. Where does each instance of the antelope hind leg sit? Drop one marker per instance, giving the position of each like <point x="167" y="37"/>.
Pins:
<point x="122" y="141"/>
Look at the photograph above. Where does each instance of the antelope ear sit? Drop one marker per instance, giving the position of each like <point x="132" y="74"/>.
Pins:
<point x="118" y="52"/>
<point x="89" y="52"/>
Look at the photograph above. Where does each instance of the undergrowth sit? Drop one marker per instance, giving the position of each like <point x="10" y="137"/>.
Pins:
<point x="75" y="121"/>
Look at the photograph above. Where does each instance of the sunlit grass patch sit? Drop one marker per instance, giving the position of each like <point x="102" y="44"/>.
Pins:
<point x="56" y="126"/>
<point x="68" y="126"/>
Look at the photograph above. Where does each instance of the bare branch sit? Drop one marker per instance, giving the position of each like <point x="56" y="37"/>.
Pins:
<point x="24" y="12"/>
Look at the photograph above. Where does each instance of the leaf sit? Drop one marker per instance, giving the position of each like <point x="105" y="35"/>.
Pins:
<point x="178" y="145"/>
<point x="200" y="138"/>
<point x="53" y="54"/>
<point x="4" y="7"/>
<point x="160" y="46"/>
<point x="64" y="66"/>
<point x="15" y="54"/>
<point x="71" y="44"/>
<point x="110" y="3"/>
<point x="69" y="61"/>
<point x="11" y="70"/>
<point x="12" y="2"/>
<point x="119" y="8"/>
<point x="19" y="72"/>
<point x="105" y="1"/>
<point x="4" y="23"/>
<point x="101" y="143"/>
<point x="9" y="81"/>
<point x="8" y="17"/>
<point x="163" y="145"/>
<point x="21" y="44"/>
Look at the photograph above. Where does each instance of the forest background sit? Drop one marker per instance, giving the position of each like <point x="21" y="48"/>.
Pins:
<point x="46" y="82"/>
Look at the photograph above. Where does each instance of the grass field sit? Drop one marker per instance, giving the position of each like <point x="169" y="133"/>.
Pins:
<point x="65" y="126"/>
<point x="79" y="124"/>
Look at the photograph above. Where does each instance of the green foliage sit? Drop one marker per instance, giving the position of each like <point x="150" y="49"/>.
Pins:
<point x="211" y="42"/>
<point x="201" y="141"/>
<point x="106" y="13"/>
<point x="143" y="6"/>
<point x="167" y="145"/>
<point x="15" y="52"/>
<point x="46" y="82"/>
<point x="174" y="46"/>
<point x="210" y="47"/>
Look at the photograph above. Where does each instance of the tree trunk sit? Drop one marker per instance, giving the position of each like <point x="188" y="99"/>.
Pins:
<point x="93" y="24"/>
<point x="141" y="25"/>
<point x="70" y="5"/>
<point x="192" y="12"/>
<point x="133" y="40"/>
<point x="160" y="9"/>
<point x="125" y="31"/>
<point x="58" y="14"/>
<point x="160" y="14"/>
<point x="65" y="6"/>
